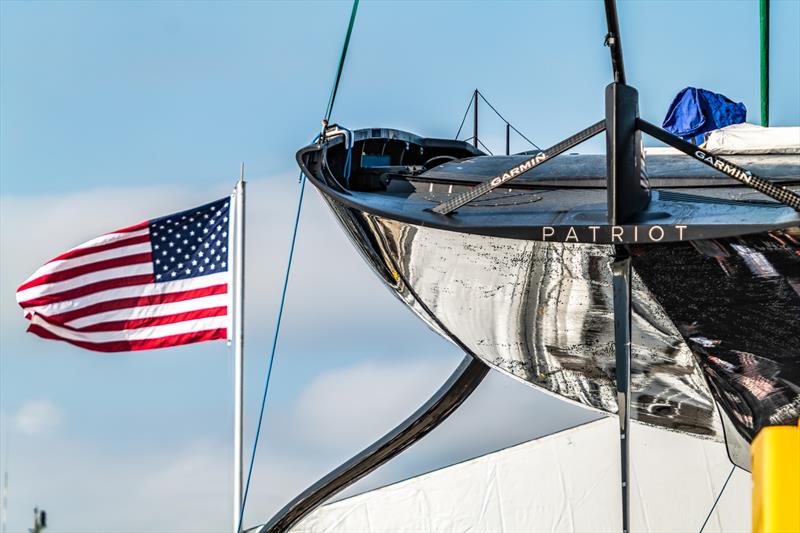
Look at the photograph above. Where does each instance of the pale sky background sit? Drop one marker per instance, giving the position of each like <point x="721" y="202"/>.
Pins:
<point x="116" y="112"/>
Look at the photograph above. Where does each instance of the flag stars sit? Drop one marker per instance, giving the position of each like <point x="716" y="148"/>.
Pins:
<point x="190" y="244"/>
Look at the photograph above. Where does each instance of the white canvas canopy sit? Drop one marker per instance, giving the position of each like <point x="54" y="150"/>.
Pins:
<point x="568" y="481"/>
<point x="748" y="138"/>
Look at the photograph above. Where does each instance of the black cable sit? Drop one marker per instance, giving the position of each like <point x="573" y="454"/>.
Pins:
<point x="487" y="148"/>
<point x="510" y="125"/>
<point x="469" y="106"/>
<point x="718" y="497"/>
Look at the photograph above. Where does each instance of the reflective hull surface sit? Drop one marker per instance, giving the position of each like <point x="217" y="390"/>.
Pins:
<point x="540" y="312"/>
<point x="736" y="302"/>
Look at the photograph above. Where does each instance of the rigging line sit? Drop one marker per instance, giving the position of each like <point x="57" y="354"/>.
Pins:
<point x="469" y="106"/>
<point x="487" y="148"/>
<point x="274" y="345"/>
<point x="507" y="122"/>
<point x="718" y="497"/>
<point x="328" y="111"/>
<point x="342" y="57"/>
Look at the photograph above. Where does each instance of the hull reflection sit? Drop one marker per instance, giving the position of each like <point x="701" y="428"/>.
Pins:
<point x="736" y="302"/>
<point x="540" y="312"/>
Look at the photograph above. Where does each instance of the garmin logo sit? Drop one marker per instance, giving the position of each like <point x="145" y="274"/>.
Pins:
<point x="722" y="165"/>
<point x="519" y="169"/>
<point x="613" y="234"/>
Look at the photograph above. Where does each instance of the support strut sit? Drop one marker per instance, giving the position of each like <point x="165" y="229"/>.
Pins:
<point x="773" y="190"/>
<point x="463" y="382"/>
<point x="445" y="208"/>
<point x="621" y="271"/>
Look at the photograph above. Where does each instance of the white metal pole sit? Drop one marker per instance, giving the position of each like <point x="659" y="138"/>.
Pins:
<point x="238" y="346"/>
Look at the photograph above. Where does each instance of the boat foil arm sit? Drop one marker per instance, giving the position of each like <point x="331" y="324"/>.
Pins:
<point x="459" y="386"/>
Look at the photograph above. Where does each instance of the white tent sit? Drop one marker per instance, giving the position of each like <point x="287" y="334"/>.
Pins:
<point x="568" y="481"/>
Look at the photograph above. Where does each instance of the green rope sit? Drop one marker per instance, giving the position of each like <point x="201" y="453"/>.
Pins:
<point x="342" y="57"/>
<point x="328" y="112"/>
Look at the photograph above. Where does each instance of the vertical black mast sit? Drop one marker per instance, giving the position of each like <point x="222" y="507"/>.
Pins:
<point x="627" y="194"/>
<point x="475" y="118"/>
<point x="613" y="41"/>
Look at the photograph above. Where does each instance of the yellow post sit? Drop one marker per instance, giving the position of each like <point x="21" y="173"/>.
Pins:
<point x="775" y="454"/>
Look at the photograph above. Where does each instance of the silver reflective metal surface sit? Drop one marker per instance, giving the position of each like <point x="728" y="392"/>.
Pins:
<point x="540" y="312"/>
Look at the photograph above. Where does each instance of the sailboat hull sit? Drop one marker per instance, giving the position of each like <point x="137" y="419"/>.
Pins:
<point x="715" y="303"/>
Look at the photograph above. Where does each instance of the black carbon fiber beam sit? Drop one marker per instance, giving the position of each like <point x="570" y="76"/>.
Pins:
<point x="614" y="42"/>
<point x="621" y="271"/>
<point x="451" y="205"/>
<point x="773" y="190"/>
<point x="463" y="382"/>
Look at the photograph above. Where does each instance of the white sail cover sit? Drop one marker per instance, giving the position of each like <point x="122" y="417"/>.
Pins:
<point x="568" y="481"/>
<point x="748" y="138"/>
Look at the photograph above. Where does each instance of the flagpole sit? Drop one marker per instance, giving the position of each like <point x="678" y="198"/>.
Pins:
<point x="238" y="346"/>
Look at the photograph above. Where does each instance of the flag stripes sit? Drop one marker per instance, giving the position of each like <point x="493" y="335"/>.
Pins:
<point x="107" y="294"/>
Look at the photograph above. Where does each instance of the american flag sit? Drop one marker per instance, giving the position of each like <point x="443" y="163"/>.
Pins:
<point x="161" y="283"/>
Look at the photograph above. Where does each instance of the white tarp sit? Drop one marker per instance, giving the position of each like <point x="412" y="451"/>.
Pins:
<point x="568" y="481"/>
<point x="752" y="139"/>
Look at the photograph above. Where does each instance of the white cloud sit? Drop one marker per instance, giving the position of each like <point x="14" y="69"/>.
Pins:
<point x="37" y="416"/>
<point x="349" y="408"/>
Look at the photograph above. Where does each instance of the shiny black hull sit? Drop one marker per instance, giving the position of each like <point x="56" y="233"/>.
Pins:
<point x="716" y="282"/>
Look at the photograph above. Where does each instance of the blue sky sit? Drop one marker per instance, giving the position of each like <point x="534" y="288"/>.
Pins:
<point x="111" y="113"/>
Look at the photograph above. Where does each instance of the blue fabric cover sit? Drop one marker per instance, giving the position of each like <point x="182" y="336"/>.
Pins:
<point x="696" y="111"/>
